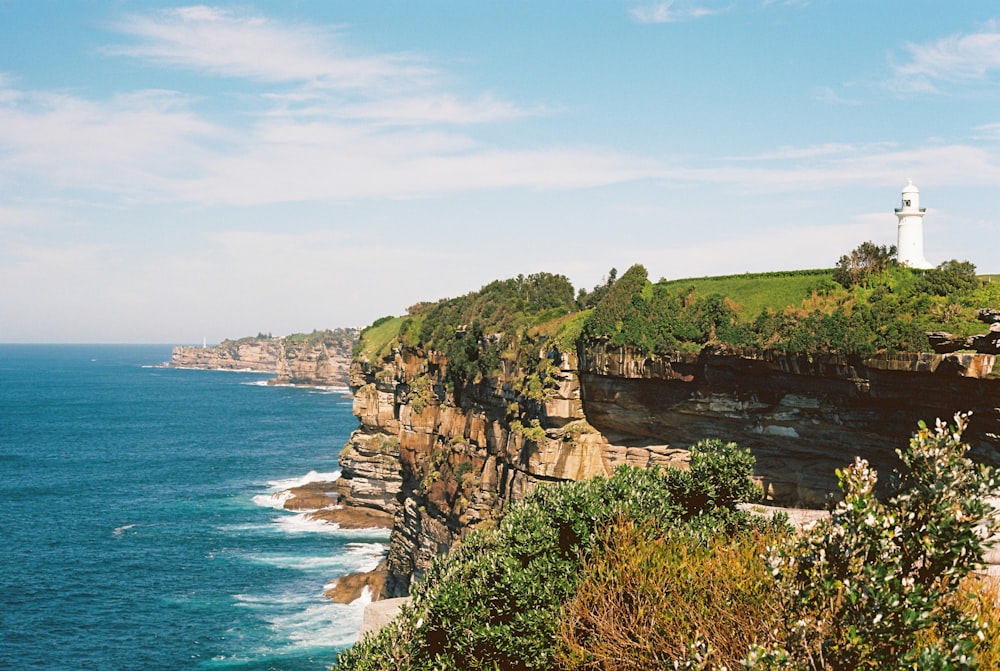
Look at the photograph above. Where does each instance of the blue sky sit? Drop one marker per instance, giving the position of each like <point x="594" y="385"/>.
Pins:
<point x="170" y="172"/>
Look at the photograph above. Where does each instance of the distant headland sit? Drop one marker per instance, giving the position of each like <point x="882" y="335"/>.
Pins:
<point x="320" y="358"/>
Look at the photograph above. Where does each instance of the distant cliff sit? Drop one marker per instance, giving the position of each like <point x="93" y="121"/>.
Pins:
<point x="319" y="358"/>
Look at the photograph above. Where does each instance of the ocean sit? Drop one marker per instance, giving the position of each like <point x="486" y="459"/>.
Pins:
<point x="138" y="525"/>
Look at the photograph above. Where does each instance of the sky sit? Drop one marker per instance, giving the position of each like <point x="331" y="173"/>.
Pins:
<point x="174" y="173"/>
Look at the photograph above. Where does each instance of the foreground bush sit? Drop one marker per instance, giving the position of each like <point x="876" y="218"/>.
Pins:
<point x="644" y="602"/>
<point x="658" y="569"/>
<point x="880" y="584"/>
<point x="495" y="601"/>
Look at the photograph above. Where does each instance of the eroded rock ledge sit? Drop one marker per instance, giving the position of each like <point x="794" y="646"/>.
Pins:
<point x="442" y="466"/>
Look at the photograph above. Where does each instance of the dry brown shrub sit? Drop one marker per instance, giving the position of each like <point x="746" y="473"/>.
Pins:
<point x="981" y="595"/>
<point x="643" y="601"/>
<point x="732" y="305"/>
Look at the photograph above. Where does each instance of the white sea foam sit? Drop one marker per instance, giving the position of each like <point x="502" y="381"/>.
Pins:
<point x="365" y="598"/>
<point x="308" y="478"/>
<point x="122" y="529"/>
<point x="217" y="370"/>
<point x="333" y="563"/>
<point x="275" y="500"/>
<point x="302" y="523"/>
<point x="299" y="622"/>
<point x="322" y="625"/>
<point x="329" y="390"/>
<point x="364" y="549"/>
<point x="246" y="527"/>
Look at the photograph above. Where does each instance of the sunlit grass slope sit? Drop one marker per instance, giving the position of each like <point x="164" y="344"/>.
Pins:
<point x="376" y="340"/>
<point x="752" y="292"/>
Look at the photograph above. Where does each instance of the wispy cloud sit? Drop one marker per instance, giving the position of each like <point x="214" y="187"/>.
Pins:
<point x="789" y="169"/>
<point x="825" y="94"/>
<point x="324" y="124"/>
<point x="675" y="11"/>
<point x="955" y="59"/>
<point x="785" y="3"/>
<point x="811" y="151"/>
<point x="230" y="43"/>
<point x="443" y="108"/>
<point x="312" y="70"/>
<point x="128" y="145"/>
<point x="990" y="131"/>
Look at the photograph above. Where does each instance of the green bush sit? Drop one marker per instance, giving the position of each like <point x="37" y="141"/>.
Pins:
<point x="885" y="308"/>
<point x="495" y="601"/>
<point x="422" y="394"/>
<point x="623" y="299"/>
<point x="865" y="262"/>
<point x="950" y="277"/>
<point x="501" y="307"/>
<point x="874" y="586"/>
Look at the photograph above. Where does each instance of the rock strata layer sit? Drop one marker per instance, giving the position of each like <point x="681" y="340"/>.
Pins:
<point x="441" y="463"/>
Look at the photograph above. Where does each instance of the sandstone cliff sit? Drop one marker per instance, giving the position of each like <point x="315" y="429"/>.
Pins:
<point x="259" y="355"/>
<point x="443" y="464"/>
<point x="321" y="358"/>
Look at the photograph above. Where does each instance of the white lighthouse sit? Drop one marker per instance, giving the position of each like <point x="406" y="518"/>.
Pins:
<point x="910" y="234"/>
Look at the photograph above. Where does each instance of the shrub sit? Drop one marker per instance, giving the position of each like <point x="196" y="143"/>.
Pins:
<point x="863" y="263"/>
<point x="949" y="278"/>
<point x="422" y="394"/>
<point x="620" y="301"/>
<point x="646" y="601"/>
<point x="494" y="602"/>
<point x="874" y="586"/>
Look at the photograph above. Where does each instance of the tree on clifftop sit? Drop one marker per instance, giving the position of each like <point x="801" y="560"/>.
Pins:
<point x="867" y="260"/>
<point x="616" y="305"/>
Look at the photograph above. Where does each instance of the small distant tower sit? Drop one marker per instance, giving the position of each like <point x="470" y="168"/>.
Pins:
<point x="910" y="234"/>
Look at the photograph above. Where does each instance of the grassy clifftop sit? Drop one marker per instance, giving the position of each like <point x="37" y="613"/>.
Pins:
<point x="753" y="292"/>
<point x="890" y="310"/>
<point x="887" y="309"/>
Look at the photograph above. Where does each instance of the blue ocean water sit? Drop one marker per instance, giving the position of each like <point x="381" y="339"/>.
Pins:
<point x="138" y="527"/>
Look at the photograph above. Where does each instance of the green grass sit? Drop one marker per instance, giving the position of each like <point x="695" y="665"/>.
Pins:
<point x="375" y="340"/>
<point x="755" y="291"/>
<point x="563" y="331"/>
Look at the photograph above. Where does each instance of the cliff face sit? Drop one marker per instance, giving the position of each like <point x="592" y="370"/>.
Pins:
<point x="258" y="355"/>
<point x="443" y="465"/>
<point x="801" y="416"/>
<point x="321" y="358"/>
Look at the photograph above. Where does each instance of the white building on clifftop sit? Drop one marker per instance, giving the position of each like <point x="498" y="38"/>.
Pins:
<point x="910" y="233"/>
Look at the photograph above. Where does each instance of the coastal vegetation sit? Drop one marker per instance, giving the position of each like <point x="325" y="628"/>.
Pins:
<point x="877" y="306"/>
<point x="495" y="601"/>
<point x="374" y="342"/>
<point x="867" y="304"/>
<point x="503" y="325"/>
<point x="660" y="568"/>
<point x="330" y="337"/>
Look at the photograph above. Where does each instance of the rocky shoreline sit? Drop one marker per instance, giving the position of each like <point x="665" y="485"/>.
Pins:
<point x="318" y="500"/>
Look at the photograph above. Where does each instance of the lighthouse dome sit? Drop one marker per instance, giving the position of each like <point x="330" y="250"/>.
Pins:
<point x="909" y="188"/>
